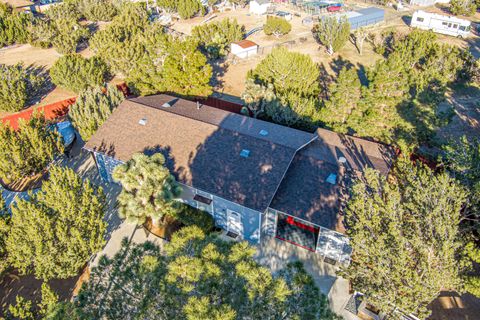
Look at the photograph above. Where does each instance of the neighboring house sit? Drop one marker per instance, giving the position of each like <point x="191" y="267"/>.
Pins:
<point x="244" y="48"/>
<point x="256" y="178"/>
<point x="259" y="6"/>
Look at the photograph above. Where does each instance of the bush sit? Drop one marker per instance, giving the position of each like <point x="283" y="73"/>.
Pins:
<point x="189" y="8"/>
<point x="28" y="150"/>
<point x="92" y="108"/>
<point x="190" y="216"/>
<point x="19" y="86"/>
<point x="77" y="73"/>
<point x="276" y="26"/>
<point x="215" y="38"/>
<point x="14" y="26"/>
<point x="97" y="10"/>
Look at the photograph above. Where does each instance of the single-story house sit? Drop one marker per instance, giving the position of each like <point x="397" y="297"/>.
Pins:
<point x="259" y="6"/>
<point x="244" y="48"/>
<point x="254" y="177"/>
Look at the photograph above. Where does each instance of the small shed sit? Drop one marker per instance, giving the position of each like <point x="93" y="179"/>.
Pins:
<point x="244" y="48"/>
<point x="259" y="6"/>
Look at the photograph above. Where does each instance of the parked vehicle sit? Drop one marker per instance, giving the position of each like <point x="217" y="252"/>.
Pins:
<point x="67" y="132"/>
<point x="438" y="23"/>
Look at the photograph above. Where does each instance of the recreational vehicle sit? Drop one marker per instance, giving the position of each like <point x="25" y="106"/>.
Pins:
<point x="452" y="26"/>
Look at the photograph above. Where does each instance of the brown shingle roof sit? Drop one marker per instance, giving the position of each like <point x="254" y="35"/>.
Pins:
<point x="203" y="146"/>
<point x="305" y="193"/>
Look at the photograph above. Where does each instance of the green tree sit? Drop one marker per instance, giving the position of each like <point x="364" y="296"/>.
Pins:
<point x="332" y="32"/>
<point x="189" y="8"/>
<point x="28" y="150"/>
<point x="148" y="189"/>
<point x="463" y="7"/>
<point x="288" y="72"/>
<point x="14" y="26"/>
<point x="345" y="93"/>
<point x="121" y="44"/>
<point x="256" y="97"/>
<point x="49" y="299"/>
<point x="4" y="230"/>
<point x="277" y="26"/>
<point x="199" y="277"/>
<point x="22" y="309"/>
<point x="92" y="107"/>
<point x="215" y="38"/>
<point x="19" y="86"/>
<point x="64" y="10"/>
<point x="59" y="228"/>
<point x="76" y="73"/>
<point x="97" y="10"/>
<point x="186" y="71"/>
<point x="405" y="237"/>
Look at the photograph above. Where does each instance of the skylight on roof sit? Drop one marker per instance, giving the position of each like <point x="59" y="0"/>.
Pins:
<point x="245" y="153"/>
<point x="332" y="178"/>
<point x="263" y="132"/>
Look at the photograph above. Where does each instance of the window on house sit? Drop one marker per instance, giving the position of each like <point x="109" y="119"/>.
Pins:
<point x="449" y="25"/>
<point x="202" y="199"/>
<point x="462" y="28"/>
<point x="420" y="19"/>
<point x="455" y="26"/>
<point x="444" y="24"/>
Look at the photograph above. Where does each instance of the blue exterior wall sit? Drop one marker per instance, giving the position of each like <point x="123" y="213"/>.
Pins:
<point x="105" y="165"/>
<point x="250" y="219"/>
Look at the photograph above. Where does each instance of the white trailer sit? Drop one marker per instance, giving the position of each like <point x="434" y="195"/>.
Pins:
<point x="452" y="26"/>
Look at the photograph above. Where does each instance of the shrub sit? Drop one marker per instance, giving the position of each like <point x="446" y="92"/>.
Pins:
<point x="19" y="86"/>
<point x="64" y="10"/>
<point x="29" y="149"/>
<point x="92" y="108"/>
<point x="189" y="8"/>
<point x="77" y="73"/>
<point x="276" y="26"/>
<point x="190" y="216"/>
<point x="215" y="38"/>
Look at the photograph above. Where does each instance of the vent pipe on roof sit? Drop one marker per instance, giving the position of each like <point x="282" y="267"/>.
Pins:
<point x="166" y="105"/>
<point x="198" y="105"/>
<point x="142" y="121"/>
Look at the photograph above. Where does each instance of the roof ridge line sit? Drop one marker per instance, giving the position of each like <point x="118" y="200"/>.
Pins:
<point x="225" y="128"/>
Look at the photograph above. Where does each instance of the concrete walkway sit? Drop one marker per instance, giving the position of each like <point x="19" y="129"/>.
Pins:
<point x="275" y="254"/>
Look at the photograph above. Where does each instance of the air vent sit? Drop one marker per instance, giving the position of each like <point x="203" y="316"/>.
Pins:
<point x="332" y="178"/>
<point x="263" y="132"/>
<point x="166" y="105"/>
<point x="245" y="153"/>
<point x="142" y="121"/>
<point x="342" y="160"/>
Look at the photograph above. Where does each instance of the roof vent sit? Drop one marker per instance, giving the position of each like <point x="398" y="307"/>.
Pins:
<point x="342" y="160"/>
<point x="245" y="153"/>
<point x="166" y="105"/>
<point x="332" y="178"/>
<point x="263" y="132"/>
<point x="142" y="121"/>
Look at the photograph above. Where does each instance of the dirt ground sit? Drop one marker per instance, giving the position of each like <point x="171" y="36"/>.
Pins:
<point x="29" y="288"/>
<point x="18" y="3"/>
